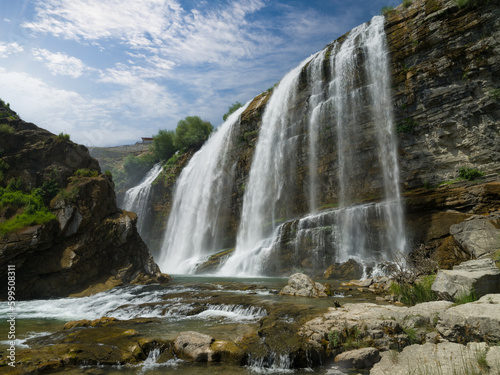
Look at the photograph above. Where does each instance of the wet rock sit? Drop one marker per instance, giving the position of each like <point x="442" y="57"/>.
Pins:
<point x="480" y="276"/>
<point x="443" y="358"/>
<point x="301" y="285"/>
<point x="348" y="270"/>
<point x="358" y="359"/>
<point x="194" y="346"/>
<point x="478" y="320"/>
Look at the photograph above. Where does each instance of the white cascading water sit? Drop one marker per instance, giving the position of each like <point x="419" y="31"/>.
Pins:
<point x="192" y="227"/>
<point x="137" y="198"/>
<point x="275" y="149"/>
<point x="276" y="152"/>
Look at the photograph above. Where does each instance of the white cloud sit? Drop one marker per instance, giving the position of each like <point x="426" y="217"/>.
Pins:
<point x="9" y="48"/>
<point x="59" y="63"/>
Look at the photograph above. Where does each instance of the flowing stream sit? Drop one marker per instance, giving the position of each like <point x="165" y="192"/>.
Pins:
<point x="137" y="199"/>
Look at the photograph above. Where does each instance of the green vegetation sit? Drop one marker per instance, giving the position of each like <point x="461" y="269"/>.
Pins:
<point x="406" y="125"/>
<point x="407" y="3"/>
<point x="461" y="3"/>
<point x="469" y="174"/>
<point x="348" y="338"/>
<point x="418" y="292"/>
<point x="163" y="145"/>
<point x="495" y="94"/>
<point x="232" y="108"/>
<point x="86" y="173"/>
<point x="6" y="129"/>
<point x="62" y="137"/>
<point x="191" y="132"/>
<point x="386" y="10"/>
<point x="27" y="209"/>
<point x="466" y="297"/>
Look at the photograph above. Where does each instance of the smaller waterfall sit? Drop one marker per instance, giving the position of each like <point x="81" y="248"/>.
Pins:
<point x="137" y="198"/>
<point x="201" y="199"/>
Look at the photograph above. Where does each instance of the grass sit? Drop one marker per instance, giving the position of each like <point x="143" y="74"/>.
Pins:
<point x="495" y="94"/>
<point x="29" y="210"/>
<point x="419" y="292"/>
<point x="407" y="3"/>
<point x="86" y="173"/>
<point x="466" y="297"/>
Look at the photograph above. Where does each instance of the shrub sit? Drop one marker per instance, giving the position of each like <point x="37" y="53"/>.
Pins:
<point x="62" y="137"/>
<point x="386" y="10"/>
<point x="407" y="3"/>
<point x="461" y="3"/>
<point x="86" y="173"/>
<point x="6" y="129"/>
<point x="191" y="132"/>
<point x="495" y="94"/>
<point x="233" y="108"/>
<point x="48" y="190"/>
<point x="469" y="174"/>
<point x="163" y="145"/>
<point x="406" y="125"/>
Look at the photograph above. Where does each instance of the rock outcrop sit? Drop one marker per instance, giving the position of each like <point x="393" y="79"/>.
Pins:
<point x="91" y="245"/>
<point x="480" y="277"/>
<point x="301" y="285"/>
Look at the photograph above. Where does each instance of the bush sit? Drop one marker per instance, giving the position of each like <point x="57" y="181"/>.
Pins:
<point x="62" y="137"/>
<point x="233" y="108"/>
<point x="163" y="145"/>
<point x="191" y="132"/>
<point x="386" y="10"/>
<point x="407" y="3"/>
<point x="6" y="129"/>
<point x="86" y="173"/>
<point x="495" y="94"/>
<point x="469" y="174"/>
<point x="406" y="125"/>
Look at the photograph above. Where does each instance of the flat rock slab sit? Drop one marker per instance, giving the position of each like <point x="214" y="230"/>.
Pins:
<point x="358" y="359"/>
<point x="481" y="276"/>
<point x="194" y="346"/>
<point x="472" y="321"/>
<point x="443" y="358"/>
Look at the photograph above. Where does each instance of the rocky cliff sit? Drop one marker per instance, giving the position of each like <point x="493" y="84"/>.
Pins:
<point x="445" y="66"/>
<point x="76" y="240"/>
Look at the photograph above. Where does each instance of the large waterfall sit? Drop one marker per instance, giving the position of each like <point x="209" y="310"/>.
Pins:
<point x="193" y="229"/>
<point x="357" y="93"/>
<point x="323" y="186"/>
<point x="136" y="199"/>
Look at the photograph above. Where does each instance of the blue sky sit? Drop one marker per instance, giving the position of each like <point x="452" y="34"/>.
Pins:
<point x="109" y="72"/>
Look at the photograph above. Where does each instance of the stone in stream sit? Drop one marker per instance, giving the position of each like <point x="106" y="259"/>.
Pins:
<point x="358" y="359"/>
<point x="301" y="285"/>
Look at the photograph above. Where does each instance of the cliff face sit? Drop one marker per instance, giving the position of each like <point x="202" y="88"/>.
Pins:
<point x="445" y="66"/>
<point x="90" y="245"/>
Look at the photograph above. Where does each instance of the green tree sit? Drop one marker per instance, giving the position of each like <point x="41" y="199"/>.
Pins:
<point x="233" y="108"/>
<point x="191" y="132"/>
<point x="163" y="144"/>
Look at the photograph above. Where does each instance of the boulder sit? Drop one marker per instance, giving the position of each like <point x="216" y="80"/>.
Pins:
<point x="348" y="270"/>
<point x="480" y="276"/>
<point x="478" y="237"/>
<point x="443" y="358"/>
<point x="194" y="346"/>
<point x="358" y="359"/>
<point x="479" y="320"/>
<point x="301" y="285"/>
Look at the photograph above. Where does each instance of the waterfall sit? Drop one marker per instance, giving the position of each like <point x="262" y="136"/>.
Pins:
<point x="200" y="199"/>
<point x="357" y="102"/>
<point x="137" y="198"/>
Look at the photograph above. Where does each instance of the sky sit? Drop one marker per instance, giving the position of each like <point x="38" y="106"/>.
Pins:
<point x="109" y="72"/>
